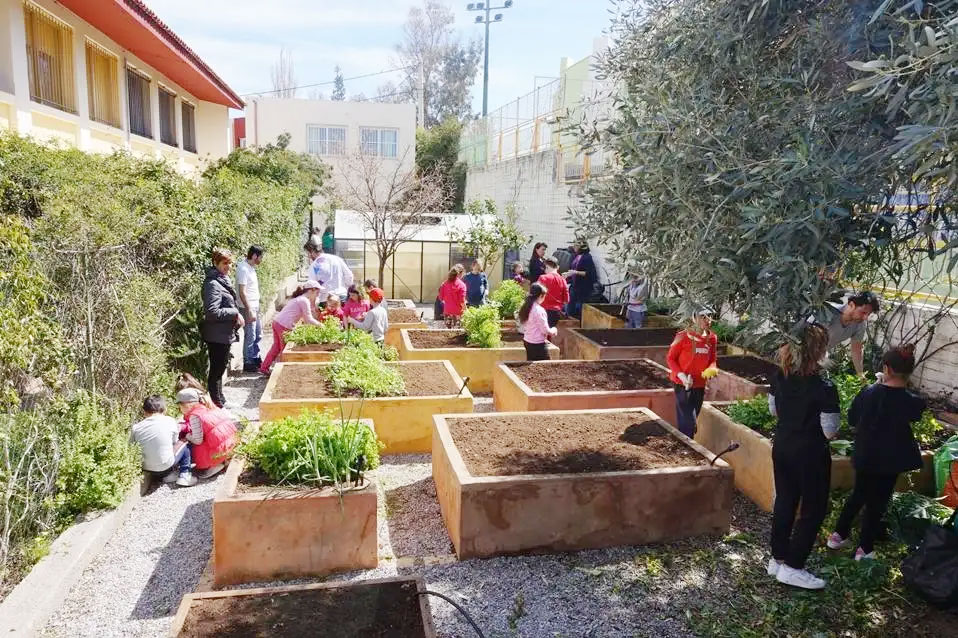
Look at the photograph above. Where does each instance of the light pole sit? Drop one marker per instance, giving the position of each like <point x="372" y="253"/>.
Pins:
<point x="489" y="19"/>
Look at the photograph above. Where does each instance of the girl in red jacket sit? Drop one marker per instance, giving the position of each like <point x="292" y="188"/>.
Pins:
<point x="691" y="362"/>
<point x="452" y="294"/>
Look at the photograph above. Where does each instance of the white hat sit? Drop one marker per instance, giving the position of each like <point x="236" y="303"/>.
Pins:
<point x="310" y="284"/>
<point x="188" y="395"/>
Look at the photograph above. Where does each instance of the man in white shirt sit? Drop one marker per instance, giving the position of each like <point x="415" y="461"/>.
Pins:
<point x="331" y="272"/>
<point x="248" y="284"/>
<point x="158" y="435"/>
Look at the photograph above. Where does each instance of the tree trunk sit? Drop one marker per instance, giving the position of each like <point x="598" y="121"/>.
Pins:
<point x="382" y="275"/>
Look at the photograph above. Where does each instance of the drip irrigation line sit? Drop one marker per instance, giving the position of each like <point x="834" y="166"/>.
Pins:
<point x="456" y="605"/>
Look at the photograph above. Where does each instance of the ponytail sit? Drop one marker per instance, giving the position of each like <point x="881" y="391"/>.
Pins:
<point x="299" y="292"/>
<point x="803" y="357"/>
<point x="535" y="291"/>
<point x="900" y="360"/>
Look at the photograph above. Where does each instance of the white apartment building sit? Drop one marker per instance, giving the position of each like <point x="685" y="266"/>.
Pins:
<point x="338" y="131"/>
<point x="103" y="75"/>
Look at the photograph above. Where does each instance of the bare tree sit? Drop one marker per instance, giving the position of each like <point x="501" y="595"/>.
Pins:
<point x="391" y="199"/>
<point x="282" y="75"/>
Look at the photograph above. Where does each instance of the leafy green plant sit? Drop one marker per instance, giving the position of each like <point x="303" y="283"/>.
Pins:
<point x="361" y="369"/>
<point x="662" y="305"/>
<point x="753" y="413"/>
<point x="910" y="513"/>
<point x="726" y="332"/>
<point x="329" y="331"/>
<point x="508" y="296"/>
<point x="482" y="327"/>
<point x="927" y="430"/>
<point x="311" y="449"/>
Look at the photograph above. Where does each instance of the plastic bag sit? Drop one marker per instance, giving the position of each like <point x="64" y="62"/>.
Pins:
<point x="945" y="458"/>
<point x="932" y="569"/>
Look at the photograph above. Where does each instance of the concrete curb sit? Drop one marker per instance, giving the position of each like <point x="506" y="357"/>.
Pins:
<point x="26" y="610"/>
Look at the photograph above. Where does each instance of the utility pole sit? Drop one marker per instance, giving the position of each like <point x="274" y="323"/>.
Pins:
<point x="489" y="19"/>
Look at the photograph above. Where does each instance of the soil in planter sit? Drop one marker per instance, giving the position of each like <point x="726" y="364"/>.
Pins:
<point x="626" y="337"/>
<point x="583" y="376"/>
<point x="754" y="369"/>
<point x="567" y="444"/>
<point x="309" y="382"/>
<point x="403" y="315"/>
<point x="385" y="610"/>
<point x="453" y="338"/>
<point x="318" y="347"/>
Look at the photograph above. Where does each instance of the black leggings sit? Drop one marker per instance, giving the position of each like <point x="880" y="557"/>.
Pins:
<point x="802" y="475"/>
<point x="536" y="351"/>
<point x="219" y="359"/>
<point x="872" y="491"/>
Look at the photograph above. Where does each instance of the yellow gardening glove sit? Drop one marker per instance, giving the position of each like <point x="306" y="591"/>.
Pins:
<point x="710" y="372"/>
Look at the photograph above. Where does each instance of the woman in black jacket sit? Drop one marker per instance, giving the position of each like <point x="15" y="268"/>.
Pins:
<point x="221" y="321"/>
<point x="536" y="264"/>
<point x="882" y="415"/>
<point x="582" y="278"/>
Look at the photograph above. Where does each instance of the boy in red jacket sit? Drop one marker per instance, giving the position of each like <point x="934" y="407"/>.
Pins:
<point x="691" y="360"/>
<point x="557" y="291"/>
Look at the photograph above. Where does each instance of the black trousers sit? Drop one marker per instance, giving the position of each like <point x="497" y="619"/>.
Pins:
<point x="536" y="351"/>
<point x="802" y="475"/>
<point x="688" y="404"/>
<point x="219" y="359"/>
<point x="553" y="316"/>
<point x="872" y="491"/>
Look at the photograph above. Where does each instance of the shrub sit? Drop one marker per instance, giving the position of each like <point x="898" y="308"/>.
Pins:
<point x="311" y="449"/>
<point x="482" y="327"/>
<point x="360" y="368"/>
<point x="662" y="305"/>
<point x="509" y="297"/>
<point x="753" y="413"/>
<point x="331" y="331"/>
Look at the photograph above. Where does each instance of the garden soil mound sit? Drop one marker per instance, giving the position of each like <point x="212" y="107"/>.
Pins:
<point x="754" y="369"/>
<point x="309" y="382"/>
<point x="403" y="315"/>
<point x="452" y="338"/>
<point x="585" y="376"/>
<point x="626" y="337"/>
<point x="546" y="443"/>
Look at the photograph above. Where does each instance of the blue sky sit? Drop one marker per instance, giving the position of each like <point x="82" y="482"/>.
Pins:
<point x="241" y="39"/>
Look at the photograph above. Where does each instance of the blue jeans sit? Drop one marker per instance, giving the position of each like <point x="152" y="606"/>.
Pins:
<point x="184" y="458"/>
<point x="634" y="318"/>
<point x="252" y="333"/>
<point x="688" y="404"/>
<point x="574" y="307"/>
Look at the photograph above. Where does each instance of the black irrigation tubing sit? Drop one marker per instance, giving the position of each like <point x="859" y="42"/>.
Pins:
<point x="456" y="605"/>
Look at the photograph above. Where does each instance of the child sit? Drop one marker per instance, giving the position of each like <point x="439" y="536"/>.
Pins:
<point x="452" y="294"/>
<point x="806" y="406"/>
<point x="557" y="291"/>
<point x="164" y="454"/>
<point x="300" y="307"/>
<point x="638" y="293"/>
<point x="355" y="307"/>
<point x="376" y="321"/>
<point x="535" y="322"/>
<point x="333" y="309"/>
<point x="691" y="360"/>
<point x="368" y="285"/>
<point x="477" y="284"/>
<point x="882" y="415"/>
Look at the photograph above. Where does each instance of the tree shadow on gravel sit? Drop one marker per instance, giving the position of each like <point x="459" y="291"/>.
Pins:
<point x="415" y="521"/>
<point x="180" y="565"/>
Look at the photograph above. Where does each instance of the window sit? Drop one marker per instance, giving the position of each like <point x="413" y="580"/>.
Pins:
<point x="383" y="142"/>
<point x="189" y="127"/>
<point x="138" y="101"/>
<point x="325" y="140"/>
<point x="102" y="85"/>
<point x="49" y="59"/>
<point x="167" y="117"/>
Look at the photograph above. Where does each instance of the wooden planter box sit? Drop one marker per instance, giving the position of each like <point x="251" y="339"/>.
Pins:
<point x="394" y="333"/>
<point x="401" y="303"/>
<point x="512" y="394"/>
<point x="559" y="340"/>
<point x="293" y="353"/>
<point x="284" y="534"/>
<point x="403" y="423"/>
<point x="476" y="363"/>
<point x="752" y="461"/>
<point x="492" y="515"/>
<point x="585" y="344"/>
<point x="612" y="315"/>
<point x="728" y="386"/>
<point x="187" y="622"/>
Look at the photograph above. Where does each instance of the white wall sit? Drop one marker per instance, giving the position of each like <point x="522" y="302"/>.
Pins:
<point x="938" y="375"/>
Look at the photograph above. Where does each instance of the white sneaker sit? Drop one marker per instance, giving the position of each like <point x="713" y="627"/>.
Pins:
<point x="186" y="479"/>
<point x="834" y="541"/>
<point x="213" y="471"/>
<point x="172" y="476"/>
<point x="798" y="578"/>
<point x="861" y="555"/>
<point x="773" y="567"/>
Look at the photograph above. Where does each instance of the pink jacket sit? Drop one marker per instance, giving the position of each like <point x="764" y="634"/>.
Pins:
<point x="294" y="310"/>
<point x="452" y="294"/>
<point x="537" y="328"/>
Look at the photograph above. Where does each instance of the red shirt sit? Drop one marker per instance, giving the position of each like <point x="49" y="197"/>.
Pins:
<point x="452" y="294"/>
<point x="557" y="290"/>
<point x="691" y="354"/>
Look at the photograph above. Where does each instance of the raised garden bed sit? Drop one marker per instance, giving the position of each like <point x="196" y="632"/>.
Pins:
<point x="559" y="340"/>
<point x="403" y="423"/>
<point x="520" y="482"/>
<point x="401" y="303"/>
<point x="752" y="461"/>
<point x="309" y="352"/>
<point x="740" y="377"/>
<point x="263" y="532"/>
<point x="469" y="361"/>
<point x="401" y="319"/>
<point x="612" y="315"/>
<point x="382" y="608"/>
<point x="583" y="385"/>
<point x="645" y="343"/>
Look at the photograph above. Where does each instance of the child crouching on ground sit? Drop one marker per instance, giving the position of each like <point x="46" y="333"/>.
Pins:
<point x="158" y="435"/>
<point x="881" y="415"/>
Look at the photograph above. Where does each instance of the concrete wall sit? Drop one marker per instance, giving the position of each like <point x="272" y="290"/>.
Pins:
<point x="20" y="114"/>
<point x="938" y="375"/>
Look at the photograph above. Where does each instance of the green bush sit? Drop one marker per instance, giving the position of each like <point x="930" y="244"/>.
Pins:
<point x="482" y="327"/>
<point x="311" y="449"/>
<point x="509" y="296"/>
<point x="331" y="331"/>
<point x="753" y="413"/>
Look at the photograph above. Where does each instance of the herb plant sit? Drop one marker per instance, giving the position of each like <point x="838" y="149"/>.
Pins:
<point x="330" y="331"/>
<point x="482" y="327"/>
<point x="509" y="296"/>
<point x="753" y="413"/>
<point x="361" y="369"/>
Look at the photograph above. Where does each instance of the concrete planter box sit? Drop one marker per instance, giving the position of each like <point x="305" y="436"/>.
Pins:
<point x="286" y="534"/>
<point x="191" y="601"/>
<point x="559" y="340"/>
<point x="476" y="363"/>
<point x="728" y="386"/>
<point x="512" y="394"/>
<point x="584" y="344"/>
<point x="493" y="515"/>
<point x="752" y="461"/>
<point x="394" y="333"/>
<point x="403" y="423"/>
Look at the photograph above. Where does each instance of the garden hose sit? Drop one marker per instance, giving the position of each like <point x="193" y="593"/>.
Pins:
<point x="457" y="606"/>
<point x="734" y="445"/>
